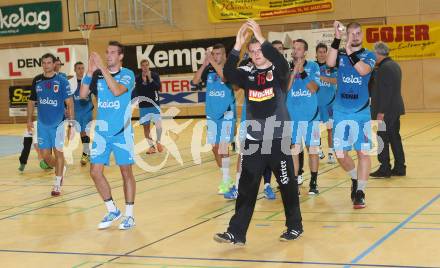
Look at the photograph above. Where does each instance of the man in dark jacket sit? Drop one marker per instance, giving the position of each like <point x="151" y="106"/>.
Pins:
<point x="387" y="106"/>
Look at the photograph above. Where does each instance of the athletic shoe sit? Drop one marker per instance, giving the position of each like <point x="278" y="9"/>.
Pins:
<point x="225" y="186"/>
<point x="331" y="159"/>
<point x="359" y="200"/>
<point x="354" y="186"/>
<point x="159" y="147"/>
<point x="313" y="189"/>
<point x="232" y="193"/>
<point x="127" y="223"/>
<point x="291" y="234"/>
<point x="21" y="167"/>
<point x="233" y="147"/>
<point x="268" y="193"/>
<point x="300" y="179"/>
<point x="321" y="154"/>
<point x="56" y="190"/>
<point x="381" y="173"/>
<point x="109" y="219"/>
<point x="227" y="237"/>
<point x="85" y="158"/>
<point x="44" y="165"/>
<point x="151" y="150"/>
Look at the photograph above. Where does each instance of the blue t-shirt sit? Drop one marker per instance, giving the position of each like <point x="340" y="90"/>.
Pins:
<point x="301" y="103"/>
<point x="219" y="95"/>
<point x="82" y="106"/>
<point x="50" y="94"/>
<point x="327" y="91"/>
<point x="352" y="95"/>
<point x="116" y="111"/>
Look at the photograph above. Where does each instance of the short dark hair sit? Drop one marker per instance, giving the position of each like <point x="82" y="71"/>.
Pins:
<point x="145" y="60"/>
<point x="321" y="45"/>
<point x="253" y="40"/>
<point x="306" y="45"/>
<point x="218" y="46"/>
<point x="57" y="59"/>
<point x="277" y="42"/>
<point x="49" y="55"/>
<point x="117" y="44"/>
<point x="353" y="25"/>
<point x="77" y="63"/>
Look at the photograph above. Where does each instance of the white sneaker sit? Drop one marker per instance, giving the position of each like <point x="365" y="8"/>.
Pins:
<point x="109" y="219"/>
<point x="321" y="154"/>
<point x="300" y="179"/>
<point x="127" y="223"/>
<point x="331" y="159"/>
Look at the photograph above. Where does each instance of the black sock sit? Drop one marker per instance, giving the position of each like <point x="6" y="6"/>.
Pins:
<point x="314" y="178"/>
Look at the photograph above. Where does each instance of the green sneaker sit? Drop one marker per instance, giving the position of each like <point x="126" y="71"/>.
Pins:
<point x="21" y="167"/>
<point x="225" y="186"/>
<point x="44" y="165"/>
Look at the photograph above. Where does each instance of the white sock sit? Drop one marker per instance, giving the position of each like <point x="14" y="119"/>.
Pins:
<point x="266" y="185"/>
<point x="225" y="168"/>
<point x="58" y="180"/>
<point x="158" y="134"/>
<point x="353" y="174"/>
<point x="86" y="148"/>
<point x="129" y="210"/>
<point x="362" y="184"/>
<point x="111" y="207"/>
<point x="237" y="179"/>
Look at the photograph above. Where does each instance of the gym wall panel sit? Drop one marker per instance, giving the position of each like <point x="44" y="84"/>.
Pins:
<point x="429" y="6"/>
<point x="431" y="83"/>
<point x="397" y="8"/>
<point x="412" y="84"/>
<point x="370" y="8"/>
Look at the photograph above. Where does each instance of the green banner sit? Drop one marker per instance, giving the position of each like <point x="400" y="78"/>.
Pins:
<point x="31" y="18"/>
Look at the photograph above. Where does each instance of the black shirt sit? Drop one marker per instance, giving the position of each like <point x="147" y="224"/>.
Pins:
<point x="149" y="89"/>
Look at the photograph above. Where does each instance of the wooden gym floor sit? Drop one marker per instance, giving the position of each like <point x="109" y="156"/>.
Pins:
<point x="177" y="213"/>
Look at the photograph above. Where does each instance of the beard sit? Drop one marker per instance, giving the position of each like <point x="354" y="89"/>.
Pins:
<point x="358" y="44"/>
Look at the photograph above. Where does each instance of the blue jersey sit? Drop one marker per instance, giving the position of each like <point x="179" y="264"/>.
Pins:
<point x="50" y="94"/>
<point x="219" y="95"/>
<point x="116" y="111"/>
<point x="327" y="91"/>
<point x="301" y="103"/>
<point x="352" y="95"/>
<point x="81" y="106"/>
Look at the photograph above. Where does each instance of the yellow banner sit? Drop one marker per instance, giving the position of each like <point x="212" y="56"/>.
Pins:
<point x="236" y="10"/>
<point x="406" y="41"/>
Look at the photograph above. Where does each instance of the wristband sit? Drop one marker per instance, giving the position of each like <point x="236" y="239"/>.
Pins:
<point x="303" y="75"/>
<point x="336" y="43"/>
<point x="353" y="59"/>
<point x="87" y="80"/>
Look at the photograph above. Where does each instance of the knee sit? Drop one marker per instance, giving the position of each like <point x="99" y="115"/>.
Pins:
<point x="95" y="172"/>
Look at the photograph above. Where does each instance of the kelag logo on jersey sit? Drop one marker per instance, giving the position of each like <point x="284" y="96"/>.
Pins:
<point x="301" y="93"/>
<point x="217" y="93"/>
<point x="352" y="80"/>
<point x="109" y="104"/>
<point x="174" y="57"/>
<point x="48" y="101"/>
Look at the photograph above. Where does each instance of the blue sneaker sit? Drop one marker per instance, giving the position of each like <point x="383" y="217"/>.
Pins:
<point x="127" y="223"/>
<point x="268" y="193"/>
<point x="232" y="193"/>
<point x="109" y="219"/>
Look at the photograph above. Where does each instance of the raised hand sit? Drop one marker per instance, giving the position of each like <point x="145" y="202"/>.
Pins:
<point x="255" y="27"/>
<point x="98" y="61"/>
<point x="338" y="29"/>
<point x="91" y="68"/>
<point x="241" y="37"/>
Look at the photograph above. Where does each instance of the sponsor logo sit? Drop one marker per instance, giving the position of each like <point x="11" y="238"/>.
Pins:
<point x="22" y="19"/>
<point x="39" y="89"/>
<point x="325" y="84"/>
<point x="284" y="179"/>
<point x="56" y="88"/>
<point x="350" y="96"/>
<point x="301" y="93"/>
<point x="109" y="104"/>
<point x="352" y="80"/>
<point x="269" y="76"/>
<point x="261" y="95"/>
<point x="251" y="78"/>
<point x="48" y="101"/>
<point x="217" y="93"/>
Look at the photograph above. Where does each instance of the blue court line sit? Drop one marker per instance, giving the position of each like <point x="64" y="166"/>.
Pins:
<point x="208" y="259"/>
<point x="393" y="231"/>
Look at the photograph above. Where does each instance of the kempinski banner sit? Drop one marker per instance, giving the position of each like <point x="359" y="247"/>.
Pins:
<point x="31" y="18"/>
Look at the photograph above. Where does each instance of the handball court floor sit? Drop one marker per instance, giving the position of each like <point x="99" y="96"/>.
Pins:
<point x="177" y="212"/>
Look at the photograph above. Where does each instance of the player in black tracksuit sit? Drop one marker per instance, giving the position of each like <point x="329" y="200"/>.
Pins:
<point x="268" y="134"/>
